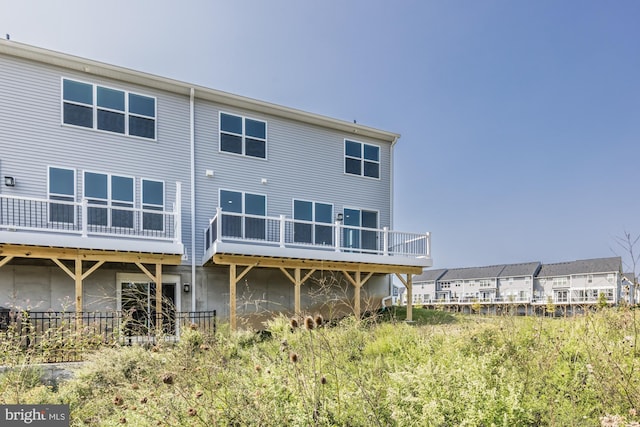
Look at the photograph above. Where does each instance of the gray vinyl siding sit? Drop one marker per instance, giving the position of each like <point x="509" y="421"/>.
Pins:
<point x="33" y="137"/>
<point x="303" y="162"/>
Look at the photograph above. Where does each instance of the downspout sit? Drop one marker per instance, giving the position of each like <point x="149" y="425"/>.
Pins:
<point x="391" y="226"/>
<point x="193" y="197"/>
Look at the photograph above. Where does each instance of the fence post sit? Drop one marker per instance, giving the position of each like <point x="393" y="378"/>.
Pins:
<point x="337" y="236"/>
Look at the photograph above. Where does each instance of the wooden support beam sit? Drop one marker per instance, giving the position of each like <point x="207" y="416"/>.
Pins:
<point x="145" y="271"/>
<point x="78" y="278"/>
<point x="93" y="268"/>
<point x="409" y="285"/>
<point x="259" y="261"/>
<point x="64" y="268"/>
<point x="232" y="296"/>
<point x="158" y="298"/>
<point x="234" y="278"/>
<point x="46" y="252"/>
<point x="296" y="296"/>
<point x="357" y="295"/>
<point x="357" y="283"/>
<point x="297" y="283"/>
<point x="5" y="260"/>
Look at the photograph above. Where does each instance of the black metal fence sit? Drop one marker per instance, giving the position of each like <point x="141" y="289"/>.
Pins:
<point x="68" y="336"/>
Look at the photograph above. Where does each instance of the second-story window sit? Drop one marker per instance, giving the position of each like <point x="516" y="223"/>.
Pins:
<point x="152" y="200"/>
<point x="243" y="214"/>
<point x="361" y="159"/>
<point x="62" y="184"/>
<point x="111" y="110"/>
<point x="242" y="135"/>
<point x="115" y="193"/>
<point x="307" y="213"/>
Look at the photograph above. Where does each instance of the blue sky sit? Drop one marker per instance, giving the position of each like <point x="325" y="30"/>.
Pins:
<point x="520" y="120"/>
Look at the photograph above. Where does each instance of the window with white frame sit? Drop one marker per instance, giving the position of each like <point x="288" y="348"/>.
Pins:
<point x="310" y="219"/>
<point x="611" y="277"/>
<point x="243" y="214"/>
<point x="152" y="200"/>
<point x="242" y="135"/>
<point x="561" y="296"/>
<point x="107" y="109"/>
<point x="560" y="282"/>
<point x="115" y="193"/>
<point x="62" y="188"/>
<point x="361" y="159"/>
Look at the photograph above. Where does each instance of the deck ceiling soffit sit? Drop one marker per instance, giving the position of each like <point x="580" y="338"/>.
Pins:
<point x="313" y="264"/>
<point x="21" y="251"/>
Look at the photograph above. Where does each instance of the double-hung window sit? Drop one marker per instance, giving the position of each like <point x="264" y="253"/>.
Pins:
<point x="152" y="200"/>
<point x="310" y="219"/>
<point x="115" y="193"/>
<point x="111" y="110"/>
<point x="243" y="214"/>
<point x="62" y="184"/>
<point x="361" y="159"/>
<point x="242" y="135"/>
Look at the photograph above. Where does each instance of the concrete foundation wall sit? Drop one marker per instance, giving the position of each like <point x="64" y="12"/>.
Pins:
<point x="262" y="293"/>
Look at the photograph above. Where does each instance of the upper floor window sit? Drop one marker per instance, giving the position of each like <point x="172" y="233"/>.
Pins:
<point x="361" y="159"/>
<point x="242" y="135"/>
<point x="111" y="110"/>
<point x="560" y="282"/>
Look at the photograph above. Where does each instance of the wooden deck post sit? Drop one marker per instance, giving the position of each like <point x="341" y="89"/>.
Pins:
<point x="356" y="295"/>
<point x="232" y="296"/>
<point x="408" y="283"/>
<point x="296" y="294"/>
<point x="78" y="287"/>
<point x="158" y="280"/>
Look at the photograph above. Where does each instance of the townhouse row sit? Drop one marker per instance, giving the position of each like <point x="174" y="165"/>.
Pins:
<point x="127" y="191"/>
<point x="576" y="282"/>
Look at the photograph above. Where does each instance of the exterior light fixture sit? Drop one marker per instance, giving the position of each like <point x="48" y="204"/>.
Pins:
<point x="339" y="217"/>
<point x="186" y="288"/>
<point x="9" y="181"/>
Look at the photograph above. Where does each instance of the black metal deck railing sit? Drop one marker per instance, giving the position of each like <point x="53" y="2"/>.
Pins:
<point x="69" y="336"/>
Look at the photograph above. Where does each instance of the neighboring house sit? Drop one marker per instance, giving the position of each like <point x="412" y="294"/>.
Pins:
<point x="515" y="282"/>
<point x="121" y="189"/>
<point x="630" y="289"/>
<point x="424" y="287"/>
<point x="575" y="282"/>
<point x="580" y="281"/>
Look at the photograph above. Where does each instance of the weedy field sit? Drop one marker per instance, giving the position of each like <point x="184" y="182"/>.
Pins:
<point x="442" y="370"/>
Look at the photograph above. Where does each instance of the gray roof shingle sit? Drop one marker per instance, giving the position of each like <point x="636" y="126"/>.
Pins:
<point x="584" y="266"/>
<point x="428" y="275"/>
<point x="488" y="272"/>
<point x="524" y="269"/>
